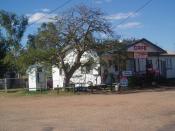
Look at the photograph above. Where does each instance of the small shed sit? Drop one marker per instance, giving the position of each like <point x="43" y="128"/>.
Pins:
<point x="36" y="77"/>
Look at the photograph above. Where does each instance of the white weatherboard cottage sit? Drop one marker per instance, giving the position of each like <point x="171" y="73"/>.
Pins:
<point x="82" y="76"/>
<point x="142" y="56"/>
<point x="146" y="55"/>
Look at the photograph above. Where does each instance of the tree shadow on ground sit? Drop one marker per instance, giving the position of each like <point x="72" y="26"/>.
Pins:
<point x="130" y="91"/>
<point x="169" y="127"/>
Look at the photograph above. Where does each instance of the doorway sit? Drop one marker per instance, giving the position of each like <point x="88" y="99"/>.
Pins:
<point x="163" y="68"/>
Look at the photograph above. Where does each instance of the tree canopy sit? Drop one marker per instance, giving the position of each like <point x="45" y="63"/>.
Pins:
<point x="75" y="30"/>
<point x="12" y="28"/>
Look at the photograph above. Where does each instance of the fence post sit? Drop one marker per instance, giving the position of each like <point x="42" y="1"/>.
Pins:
<point x="26" y="85"/>
<point x="46" y="83"/>
<point x="5" y="82"/>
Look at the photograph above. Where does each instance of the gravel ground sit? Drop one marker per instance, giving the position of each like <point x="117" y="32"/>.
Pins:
<point x="145" y="111"/>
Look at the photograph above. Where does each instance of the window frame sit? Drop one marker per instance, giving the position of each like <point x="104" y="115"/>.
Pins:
<point x="168" y="61"/>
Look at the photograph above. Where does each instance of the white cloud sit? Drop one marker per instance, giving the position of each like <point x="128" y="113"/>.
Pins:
<point x="45" y="10"/>
<point x="130" y="25"/>
<point x="119" y="16"/>
<point x="102" y="1"/>
<point x="40" y="17"/>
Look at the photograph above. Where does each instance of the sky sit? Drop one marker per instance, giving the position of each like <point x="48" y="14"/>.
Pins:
<point x="155" y="22"/>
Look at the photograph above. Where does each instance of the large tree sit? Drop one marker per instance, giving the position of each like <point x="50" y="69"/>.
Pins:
<point x="77" y="30"/>
<point x="12" y="28"/>
<point x="3" y="50"/>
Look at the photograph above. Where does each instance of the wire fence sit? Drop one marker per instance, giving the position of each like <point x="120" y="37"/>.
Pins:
<point x="2" y="84"/>
<point x="16" y="84"/>
<point x="13" y="83"/>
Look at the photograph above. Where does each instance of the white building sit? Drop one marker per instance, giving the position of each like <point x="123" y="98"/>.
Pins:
<point x="142" y="57"/>
<point x="82" y="76"/>
<point x="36" y="77"/>
<point x="168" y="65"/>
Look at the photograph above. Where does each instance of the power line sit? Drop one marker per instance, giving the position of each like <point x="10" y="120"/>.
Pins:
<point x="136" y="11"/>
<point x="57" y="8"/>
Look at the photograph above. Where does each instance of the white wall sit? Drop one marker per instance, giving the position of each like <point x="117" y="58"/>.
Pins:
<point x="77" y="77"/>
<point x="70" y="57"/>
<point x="32" y="79"/>
<point x="93" y="77"/>
<point x="170" y="72"/>
<point x="37" y="80"/>
<point x="56" y="77"/>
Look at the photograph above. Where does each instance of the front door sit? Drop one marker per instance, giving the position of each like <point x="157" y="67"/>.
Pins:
<point x="163" y="68"/>
<point x="140" y="65"/>
<point x="41" y="78"/>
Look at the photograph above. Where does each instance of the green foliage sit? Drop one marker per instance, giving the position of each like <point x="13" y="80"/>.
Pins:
<point x="3" y="50"/>
<point x="132" y="81"/>
<point x="33" y="56"/>
<point x="74" y="30"/>
<point x="12" y="28"/>
<point x="46" y="37"/>
<point x="14" y="25"/>
<point x="116" y="49"/>
<point x="40" y="48"/>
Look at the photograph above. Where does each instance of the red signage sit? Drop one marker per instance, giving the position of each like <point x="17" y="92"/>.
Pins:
<point x="123" y="81"/>
<point x="141" y="55"/>
<point x="140" y="47"/>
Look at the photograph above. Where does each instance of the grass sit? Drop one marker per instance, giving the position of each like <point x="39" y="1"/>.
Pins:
<point x="24" y="92"/>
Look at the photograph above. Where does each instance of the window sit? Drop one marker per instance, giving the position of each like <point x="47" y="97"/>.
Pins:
<point x="60" y="71"/>
<point x="86" y="70"/>
<point x="130" y="65"/>
<point x="39" y="69"/>
<point x="149" y="64"/>
<point x="39" y="73"/>
<point x="168" y="63"/>
<point x="83" y="69"/>
<point x="38" y="77"/>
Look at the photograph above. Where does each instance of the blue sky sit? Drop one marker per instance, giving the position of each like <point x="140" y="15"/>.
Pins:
<point x="156" y="22"/>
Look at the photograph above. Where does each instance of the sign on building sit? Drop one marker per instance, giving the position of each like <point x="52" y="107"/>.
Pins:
<point x="140" y="55"/>
<point x="124" y="81"/>
<point x="126" y="73"/>
<point x="140" y="47"/>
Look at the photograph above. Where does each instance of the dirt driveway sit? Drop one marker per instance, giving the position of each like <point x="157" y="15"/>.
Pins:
<point x="146" y="111"/>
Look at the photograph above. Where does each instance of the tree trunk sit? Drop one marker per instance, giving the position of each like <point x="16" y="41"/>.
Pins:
<point x="67" y="80"/>
<point x="70" y="73"/>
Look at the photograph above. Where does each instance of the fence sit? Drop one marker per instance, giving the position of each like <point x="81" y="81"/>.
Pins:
<point x="13" y="83"/>
<point x="2" y="84"/>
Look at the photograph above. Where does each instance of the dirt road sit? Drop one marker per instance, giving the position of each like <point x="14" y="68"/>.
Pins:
<point x="146" y="111"/>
